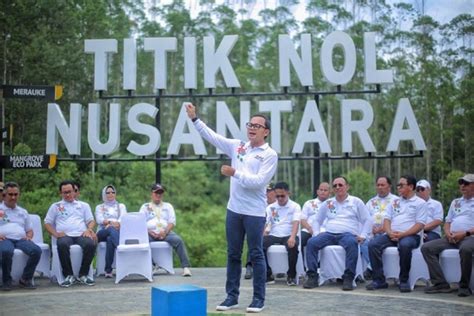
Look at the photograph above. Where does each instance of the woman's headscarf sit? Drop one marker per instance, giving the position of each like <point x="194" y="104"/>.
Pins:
<point x="104" y="195"/>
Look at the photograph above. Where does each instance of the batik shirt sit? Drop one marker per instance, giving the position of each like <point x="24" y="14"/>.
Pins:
<point x="158" y="216"/>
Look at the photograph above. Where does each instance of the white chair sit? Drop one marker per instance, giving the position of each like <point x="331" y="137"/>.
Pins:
<point x="100" y="258"/>
<point x="162" y="254"/>
<point x="133" y="255"/>
<point x="418" y="269"/>
<point x="451" y="265"/>
<point x="76" y="260"/>
<point x="332" y="264"/>
<point x="44" y="265"/>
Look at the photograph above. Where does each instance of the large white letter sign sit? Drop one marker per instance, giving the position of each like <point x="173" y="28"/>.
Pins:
<point x="160" y="45"/>
<point x="287" y="54"/>
<point x="93" y="131"/>
<point x="100" y="48"/>
<point x="371" y="74"/>
<point x="190" y="64"/>
<point x="129" y="64"/>
<point x="348" y="126"/>
<point x="224" y="120"/>
<point x="71" y="134"/>
<point x="275" y="108"/>
<point x="179" y="137"/>
<point x="333" y="40"/>
<point x="136" y="126"/>
<point x="398" y="133"/>
<point x="311" y="116"/>
<point x="215" y="59"/>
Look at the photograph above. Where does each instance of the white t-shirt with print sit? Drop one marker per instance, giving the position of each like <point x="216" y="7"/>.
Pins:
<point x="309" y="211"/>
<point x="404" y="213"/>
<point x="14" y="222"/>
<point x="281" y="218"/>
<point x="69" y="217"/>
<point x="461" y="214"/>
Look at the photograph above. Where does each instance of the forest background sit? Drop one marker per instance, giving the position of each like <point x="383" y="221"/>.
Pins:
<point x="42" y="43"/>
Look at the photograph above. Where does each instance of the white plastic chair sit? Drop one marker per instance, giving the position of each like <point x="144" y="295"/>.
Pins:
<point x="418" y="269"/>
<point x="162" y="254"/>
<point x="44" y="265"/>
<point x="451" y="265"/>
<point x="133" y="254"/>
<point x="76" y="260"/>
<point x="332" y="264"/>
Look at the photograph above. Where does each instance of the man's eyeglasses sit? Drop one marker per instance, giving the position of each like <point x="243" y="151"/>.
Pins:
<point x="158" y="192"/>
<point x="337" y="185"/>
<point x="66" y="192"/>
<point x="463" y="182"/>
<point x="110" y="192"/>
<point x="280" y="196"/>
<point x="420" y="189"/>
<point x="401" y="185"/>
<point x="255" y="126"/>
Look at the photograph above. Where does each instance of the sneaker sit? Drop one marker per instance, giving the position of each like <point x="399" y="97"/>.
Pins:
<point x="347" y="284"/>
<point x="280" y="275"/>
<point x="438" y="288"/>
<point x="404" y="287"/>
<point x="27" y="284"/>
<point x="68" y="281"/>
<point x="86" y="280"/>
<point x="186" y="272"/>
<point x="464" y="292"/>
<point x="291" y="281"/>
<point x="7" y="286"/>
<point x="312" y="281"/>
<point x="248" y="272"/>
<point x="255" y="307"/>
<point x="228" y="304"/>
<point x="108" y="275"/>
<point x="368" y="274"/>
<point x="270" y="279"/>
<point x="376" y="286"/>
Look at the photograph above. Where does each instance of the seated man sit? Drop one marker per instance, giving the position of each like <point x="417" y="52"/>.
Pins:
<point x="309" y="213"/>
<point x="71" y="222"/>
<point x="434" y="212"/>
<point x="459" y="231"/>
<point x="16" y="231"/>
<point x="161" y="220"/>
<point x="404" y="219"/>
<point x="283" y="221"/>
<point x="344" y="215"/>
<point x="377" y="206"/>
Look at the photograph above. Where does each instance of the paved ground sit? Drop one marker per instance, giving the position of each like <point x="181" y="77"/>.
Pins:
<point x="132" y="297"/>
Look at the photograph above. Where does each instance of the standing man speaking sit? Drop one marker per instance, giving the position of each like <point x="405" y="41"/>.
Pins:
<point x="253" y="164"/>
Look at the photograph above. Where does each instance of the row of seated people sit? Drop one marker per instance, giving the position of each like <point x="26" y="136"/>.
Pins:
<point x="387" y="220"/>
<point x="69" y="222"/>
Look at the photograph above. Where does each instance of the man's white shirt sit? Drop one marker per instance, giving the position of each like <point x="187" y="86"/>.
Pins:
<point x="404" y="213"/>
<point x="461" y="214"/>
<point x="14" y="222"/>
<point x="281" y="218"/>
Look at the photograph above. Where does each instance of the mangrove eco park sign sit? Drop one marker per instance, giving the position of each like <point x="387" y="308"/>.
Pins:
<point x="310" y="131"/>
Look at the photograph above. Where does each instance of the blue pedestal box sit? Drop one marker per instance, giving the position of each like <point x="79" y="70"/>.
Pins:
<point x="185" y="299"/>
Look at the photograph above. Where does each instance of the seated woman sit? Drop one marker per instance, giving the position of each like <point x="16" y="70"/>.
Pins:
<point x="107" y="216"/>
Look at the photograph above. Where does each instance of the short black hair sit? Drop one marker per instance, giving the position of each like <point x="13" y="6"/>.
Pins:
<point x="267" y="120"/>
<point x="11" y="184"/>
<point x="282" y="186"/>
<point x="342" y="177"/>
<point x="411" y="180"/>
<point x="386" y="178"/>
<point x="66" y="182"/>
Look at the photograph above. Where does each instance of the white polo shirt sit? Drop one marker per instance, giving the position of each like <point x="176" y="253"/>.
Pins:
<point x="14" y="222"/>
<point x="434" y="210"/>
<point x="404" y="213"/>
<point x="255" y="167"/>
<point x="281" y="217"/>
<point x="158" y="216"/>
<point x="69" y="217"/>
<point x="461" y="214"/>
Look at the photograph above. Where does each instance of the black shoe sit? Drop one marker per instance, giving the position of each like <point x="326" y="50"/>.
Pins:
<point x="376" y="286"/>
<point x="27" y="284"/>
<point x="255" y="307"/>
<point x="347" y="284"/>
<point x="368" y="274"/>
<point x="248" y="272"/>
<point x="404" y="287"/>
<point x="312" y="281"/>
<point x="270" y="279"/>
<point x="291" y="281"/>
<point x="464" y="292"/>
<point x="438" y="288"/>
<point x="7" y="286"/>
<point x="228" y="304"/>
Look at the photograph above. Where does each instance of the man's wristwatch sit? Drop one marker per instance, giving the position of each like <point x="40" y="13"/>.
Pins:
<point x="468" y="233"/>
